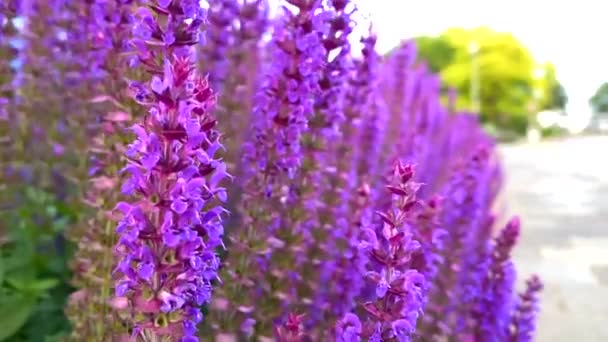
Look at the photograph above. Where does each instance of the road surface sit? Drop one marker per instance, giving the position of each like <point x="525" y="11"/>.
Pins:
<point x="560" y="191"/>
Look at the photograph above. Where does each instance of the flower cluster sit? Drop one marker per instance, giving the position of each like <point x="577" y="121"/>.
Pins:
<point x="404" y="99"/>
<point x="286" y="100"/>
<point x="494" y="305"/>
<point x="397" y="301"/>
<point x="272" y="157"/>
<point x="222" y="15"/>
<point x="371" y="114"/>
<point x="107" y="25"/>
<point x="320" y="177"/>
<point x="170" y="229"/>
<point x="8" y="53"/>
<point x="523" y="319"/>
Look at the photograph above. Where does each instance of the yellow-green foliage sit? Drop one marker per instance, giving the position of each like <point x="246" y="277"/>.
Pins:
<point x="508" y="74"/>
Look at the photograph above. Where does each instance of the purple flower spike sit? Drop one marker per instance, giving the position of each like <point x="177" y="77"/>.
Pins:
<point x="525" y="313"/>
<point x="220" y="39"/>
<point x="399" y="294"/>
<point x="172" y="226"/>
<point x="493" y="310"/>
<point x="272" y="159"/>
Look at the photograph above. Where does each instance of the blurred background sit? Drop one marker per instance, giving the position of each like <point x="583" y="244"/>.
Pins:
<point x="536" y="71"/>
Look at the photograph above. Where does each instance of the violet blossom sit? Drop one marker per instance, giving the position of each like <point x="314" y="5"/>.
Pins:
<point x="401" y="98"/>
<point x="463" y="215"/>
<point x="323" y="221"/>
<point x="232" y="57"/>
<point x="493" y="310"/>
<point x="393" y="312"/>
<point x="271" y="159"/>
<point x="90" y="309"/>
<point x="172" y="224"/>
<point x="220" y="38"/>
<point x="525" y="313"/>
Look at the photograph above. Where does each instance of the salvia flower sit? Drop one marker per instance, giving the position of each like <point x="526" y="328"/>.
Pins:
<point x="285" y="102"/>
<point x="349" y="197"/>
<point x="90" y="309"/>
<point x="232" y="58"/>
<point x="222" y="15"/>
<point x="524" y="315"/>
<point x="373" y="127"/>
<point x="463" y="217"/>
<point x="315" y="135"/>
<point x="431" y="235"/>
<point x="346" y="178"/>
<point x="330" y="103"/>
<point x="393" y="312"/>
<point x="8" y="53"/>
<point x="272" y="158"/>
<point x="402" y="82"/>
<point x="320" y="165"/>
<point x="495" y="301"/>
<point x="171" y="227"/>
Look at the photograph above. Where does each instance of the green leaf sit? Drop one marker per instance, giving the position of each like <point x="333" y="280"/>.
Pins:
<point x="18" y="282"/>
<point x="33" y="287"/>
<point x="58" y="337"/>
<point x="2" y="270"/>
<point x="16" y="263"/>
<point x="43" y="285"/>
<point x="14" y="312"/>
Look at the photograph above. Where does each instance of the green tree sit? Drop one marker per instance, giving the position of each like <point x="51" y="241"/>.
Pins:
<point x="552" y="93"/>
<point x="505" y="67"/>
<point x="505" y="75"/>
<point x="437" y="52"/>
<point x="559" y="96"/>
<point x="599" y="101"/>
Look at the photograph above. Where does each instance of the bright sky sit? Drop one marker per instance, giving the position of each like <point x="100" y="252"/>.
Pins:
<point x="573" y="35"/>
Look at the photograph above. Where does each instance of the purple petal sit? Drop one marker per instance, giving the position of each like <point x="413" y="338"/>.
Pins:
<point x="188" y="172"/>
<point x="145" y="271"/>
<point x="150" y="160"/>
<point x="222" y="195"/>
<point x="218" y="175"/>
<point x="157" y="85"/>
<point x="196" y="262"/>
<point x="124" y="207"/>
<point x="122" y="288"/>
<point x="140" y="132"/>
<point x="179" y="206"/>
<point x="381" y="288"/>
<point x="194" y="188"/>
<point x="171" y="240"/>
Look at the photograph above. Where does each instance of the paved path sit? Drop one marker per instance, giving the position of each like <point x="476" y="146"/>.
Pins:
<point x="560" y="190"/>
